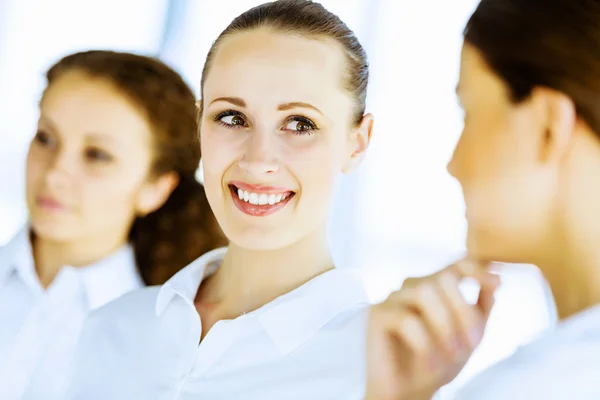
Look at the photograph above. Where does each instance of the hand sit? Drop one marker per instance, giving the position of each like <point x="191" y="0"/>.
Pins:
<point x="421" y="337"/>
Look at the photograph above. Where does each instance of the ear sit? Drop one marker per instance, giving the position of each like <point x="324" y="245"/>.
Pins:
<point x="155" y="193"/>
<point x="560" y="118"/>
<point x="359" y="143"/>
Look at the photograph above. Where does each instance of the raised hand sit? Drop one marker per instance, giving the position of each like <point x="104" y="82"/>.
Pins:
<point x="421" y="337"/>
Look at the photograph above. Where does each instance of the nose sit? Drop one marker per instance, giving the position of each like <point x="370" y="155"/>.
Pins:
<point x="452" y="166"/>
<point x="260" y="157"/>
<point x="59" y="173"/>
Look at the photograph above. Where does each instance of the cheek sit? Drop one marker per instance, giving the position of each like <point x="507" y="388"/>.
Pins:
<point x="36" y="165"/>
<point x="317" y="167"/>
<point x="109" y="196"/>
<point x="506" y="197"/>
<point x="217" y="157"/>
<point x="490" y="155"/>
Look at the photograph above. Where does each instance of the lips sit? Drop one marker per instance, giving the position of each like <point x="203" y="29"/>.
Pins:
<point x="259" y="200"/>
<point x="49" y="203"/>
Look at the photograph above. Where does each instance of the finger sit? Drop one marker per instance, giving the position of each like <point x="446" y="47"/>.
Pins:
<point x="488" y="280"/>
<point x="487" y="297"/>
<point x="468" y="319"/>
<point x="465" y="268"/>
<point x="471" y="268"/>
<point x="427" y="300"/>
<point x="413" y="334"/>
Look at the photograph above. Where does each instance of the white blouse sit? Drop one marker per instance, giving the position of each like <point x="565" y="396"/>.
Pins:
<point x="564" y="364"/>
<point x="39" y="328"/>
<point x="306" y="344"/>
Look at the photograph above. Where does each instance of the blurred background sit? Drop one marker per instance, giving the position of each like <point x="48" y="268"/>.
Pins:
<point x="400" y="215"/>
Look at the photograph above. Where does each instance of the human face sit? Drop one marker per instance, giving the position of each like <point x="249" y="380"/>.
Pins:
<point x="276" y="128"/>
<point x="88" y="163"/>
<point x="508" y="186"/>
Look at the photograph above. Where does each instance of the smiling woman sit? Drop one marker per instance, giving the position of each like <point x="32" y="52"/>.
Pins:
<point x="282" y="117"/>
<point x="282" y="131"/>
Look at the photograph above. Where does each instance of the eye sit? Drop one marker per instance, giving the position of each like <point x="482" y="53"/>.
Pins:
<point x="96" y="154"/>
<point x="44" y="139"/>
<point x="231" y="119"/>
<point x="300" y="125"/>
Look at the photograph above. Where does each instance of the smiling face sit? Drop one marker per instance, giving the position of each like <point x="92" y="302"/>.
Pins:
<point x="88" y="164"/>
<point x="276" y="132"/>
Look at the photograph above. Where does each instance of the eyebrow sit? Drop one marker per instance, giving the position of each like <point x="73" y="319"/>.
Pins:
<point x="47" y="121"/>
<point x="282" y="107"/>
<point x="100" y="137"/>
<point x="289" y="106"/>
<point x="236" y="101"/>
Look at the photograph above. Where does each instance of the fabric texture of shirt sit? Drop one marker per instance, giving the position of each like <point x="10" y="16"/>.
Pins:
<point x="306" y="344"/>
<point x="564" y="364"/>
<point x="39" y="328"/>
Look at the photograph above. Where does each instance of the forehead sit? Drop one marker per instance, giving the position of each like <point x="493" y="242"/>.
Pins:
<point x="477" y="79"/>
<point x="263" y="66"/>
<point x="77" y="104"/>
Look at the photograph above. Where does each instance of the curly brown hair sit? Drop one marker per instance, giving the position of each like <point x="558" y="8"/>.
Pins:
<point x="184" y="228"/>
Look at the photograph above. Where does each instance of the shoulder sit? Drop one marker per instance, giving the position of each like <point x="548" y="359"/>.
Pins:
<point x="126" y="344"/>
<point x="339" y="345"/>
<point x="352" y="321"/>
<point x="16" y="251"/>
<point x="120" y="319"/>
<point x="550" y="369"/>
<point x="142" y="302"/>
<point x="17" y="243"/>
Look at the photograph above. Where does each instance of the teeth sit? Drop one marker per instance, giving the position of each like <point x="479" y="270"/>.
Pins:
<point x="261" y="199"/>
<point x="253" y="198"/>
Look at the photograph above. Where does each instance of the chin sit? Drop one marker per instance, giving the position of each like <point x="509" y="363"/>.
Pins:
<point x="52" y="230"/>
<point x="487" y="247"/>
<point x="258" y="241"/>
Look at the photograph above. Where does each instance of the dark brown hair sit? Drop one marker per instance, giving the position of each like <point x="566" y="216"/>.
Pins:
<point x="184" y="227"/>
<point x="307" y="18"/>
<point x="551" y="43"/>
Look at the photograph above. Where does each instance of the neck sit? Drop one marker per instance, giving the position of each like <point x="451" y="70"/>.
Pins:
<point x="249" y="279"/>
<point x="51" y="255"/>
<point x="573" y="268"/>
<point x="575" y="278"/>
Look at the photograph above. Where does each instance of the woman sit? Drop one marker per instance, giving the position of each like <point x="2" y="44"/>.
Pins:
<point x="113" y="206"/>
<point x="282" y="116"/>
<point x="528" y="161"/>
